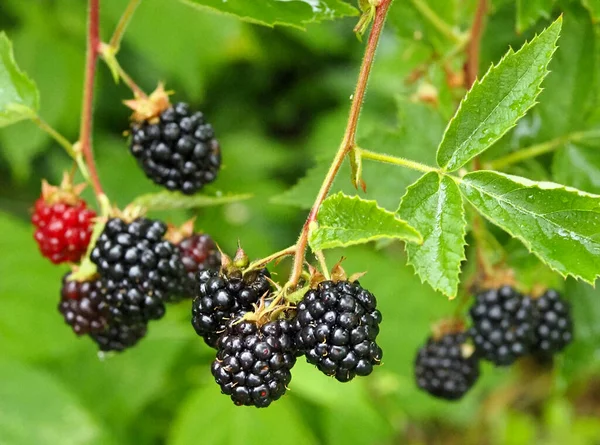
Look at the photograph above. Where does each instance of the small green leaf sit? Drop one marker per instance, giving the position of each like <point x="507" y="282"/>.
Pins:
<point x="530" y="11"/>
<point x="495" y="104"/>
<point x="297" y="13"/>
<point x="19" y="97"/>
<point x="347" y="220"/>
<point x="166" y="200"/>
<point x="559" y="224"/>
<point x="434" y="205"/>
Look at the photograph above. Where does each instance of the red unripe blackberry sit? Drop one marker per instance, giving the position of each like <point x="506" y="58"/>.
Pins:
<point x="444" y="368"/>
<point x="83" y="305"/>
<point x="198" y="252"/>
<point x="221" y="298"/>
<point x="503" y="325"/>
<point x="253" y="363"/>
<point x="139" y="269"/>
<point x="177" y="149"/>
<point x="119" y="336"/>
<point x="554" y="327"/>
<point x="337" y="326"/>
<point x="63" y="229"/>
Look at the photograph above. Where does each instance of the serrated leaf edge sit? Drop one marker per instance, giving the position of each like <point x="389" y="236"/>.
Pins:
<point x="23" y="74"/>
<point x="463" y="221"/>
<point x="543" y="185"/>
<point x="479" y="82"/>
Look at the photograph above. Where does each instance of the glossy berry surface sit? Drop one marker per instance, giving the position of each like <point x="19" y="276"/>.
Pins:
<point x="222" y="298"/>
<point x="503" y="325"/>
<point x="119" y="336"/>
<point x="139" y="269"/>
<point x="554" y="327"/>
<point x="443" y="370"/>
<point x="253" y="364"/>
<point x="179" y="151"/>
<point x="63" y="231"/>
<point x="83" y="305"/>
<point x="198" y="252"/>
<point x="337" y="326"/>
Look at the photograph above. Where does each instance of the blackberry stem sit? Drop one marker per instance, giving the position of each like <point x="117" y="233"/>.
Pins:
<point x="348" y="142"/>
<point x="85" y="135"/>
<point x="115" y="40"/>
<point x="395" y="160"/>
<point x="264" y="261"/>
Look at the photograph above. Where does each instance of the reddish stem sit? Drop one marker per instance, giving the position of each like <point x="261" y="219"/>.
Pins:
<point x="85" y="135"/>
<point x="348" y="141"/>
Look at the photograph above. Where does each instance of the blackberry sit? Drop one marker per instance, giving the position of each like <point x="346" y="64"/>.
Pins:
<point x="119" y="336"/>
<point x="140" y="270"/>
<point x="179" y="151"/>
<point x="503" y="325"/>
<point x="443" y="370"/>
<point x="337" y="326"/>
<point x="222" y="298"/>
<point x="198" y="252"/>
<point x="253" y="363"/>
<point x="554" y="327"/>
<point x="83" y="305"/>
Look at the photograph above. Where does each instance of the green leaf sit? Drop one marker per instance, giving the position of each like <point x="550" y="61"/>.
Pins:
<point x="37" y="410"/>
<point x="297" y="13"/>
<point x="434" y="205"/>
<point x="495" y="104"/>
<point x="18" y="94"/>
<point x="559" y="224"/>
<point x="530" y="11"/>
<point x="347" y="220"/>
<point x="214" y="418"/>
<point x="166" y="200"/>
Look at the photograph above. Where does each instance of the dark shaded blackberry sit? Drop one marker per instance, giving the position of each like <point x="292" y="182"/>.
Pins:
<point x="119" y="336"/>
<point x="198" y="252"/>
<point x="503" y="325"/>
<point x="139" y="269"/>
<point x="83" y="305"/>
<point x="179" y="151"/>
<point x="554" y="327"/>
<point x="337" y="326"/>
<point x="253" y="364"/>
<point x="222" y="298"/>
<point x="442" y="369"/>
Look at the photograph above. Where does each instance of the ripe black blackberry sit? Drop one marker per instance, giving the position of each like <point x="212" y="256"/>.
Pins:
<point x="119" y="336"/>
<point x="445" y="368"/>
<point x="83" y="305"/>
<point x="337" y="327"/>
<point x="222" y="298"/>
<point x="503" y="325"/>
<point x="139" y="269"/>
<point x="253" y="363"/>
<point x="198" y="252"/>
<point x="179" y="151"/>
<point x="554" y="327"/>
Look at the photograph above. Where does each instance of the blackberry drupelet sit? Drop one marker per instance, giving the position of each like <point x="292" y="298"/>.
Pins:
<point x="139" y="269"/>
<point x="253" y="363"/>
<point x="83" y="305"/>
<point x="554" y="327"/>
<point x="198" y="252"/>
<point x="222" y="298"/>
<point x="337" y="327"/>
<point x="503" y="325"/>
<point x="443" y="370"/>
<point x="119" y="336"/>
<point x="179" y="151"/>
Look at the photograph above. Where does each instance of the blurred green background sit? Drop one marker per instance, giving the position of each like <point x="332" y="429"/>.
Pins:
<point x="278" y="99"/>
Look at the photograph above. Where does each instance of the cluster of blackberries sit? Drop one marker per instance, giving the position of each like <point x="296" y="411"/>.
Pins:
<point x="335" y="326"/>
<point x="176" y="149"/>
<point x="138" y="271"/>
<point x="506" y="325"/>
